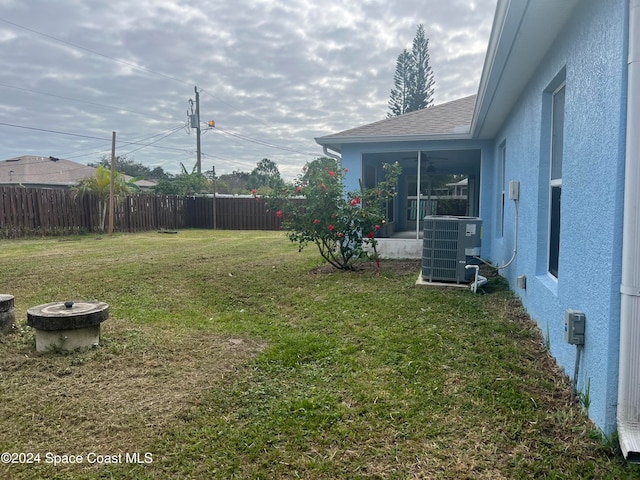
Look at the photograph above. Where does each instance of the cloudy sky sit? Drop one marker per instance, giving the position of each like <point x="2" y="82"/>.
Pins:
<point x="272" y="74"/>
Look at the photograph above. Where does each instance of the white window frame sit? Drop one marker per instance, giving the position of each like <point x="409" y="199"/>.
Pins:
<point x="555" y="182"/>
<point x="502" y="169"/>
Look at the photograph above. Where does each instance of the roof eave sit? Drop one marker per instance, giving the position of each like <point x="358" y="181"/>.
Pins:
<point x="523" y="32"/>
<point x="335" y="143"/>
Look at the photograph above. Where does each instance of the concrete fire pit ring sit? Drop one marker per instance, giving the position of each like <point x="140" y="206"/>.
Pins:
<point x="67" y="325"/>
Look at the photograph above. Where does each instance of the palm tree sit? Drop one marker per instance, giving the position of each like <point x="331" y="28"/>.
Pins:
<point x="100" y="186"/>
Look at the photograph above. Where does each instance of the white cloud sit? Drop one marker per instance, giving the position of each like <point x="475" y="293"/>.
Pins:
<point x="278" y="72"/>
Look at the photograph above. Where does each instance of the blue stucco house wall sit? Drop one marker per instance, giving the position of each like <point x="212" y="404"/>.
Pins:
<point x="589" y="57"/>
<point x="551" y="116"/>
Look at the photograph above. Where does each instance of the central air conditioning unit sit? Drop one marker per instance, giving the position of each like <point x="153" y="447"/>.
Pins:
<point x="449" y="243"/>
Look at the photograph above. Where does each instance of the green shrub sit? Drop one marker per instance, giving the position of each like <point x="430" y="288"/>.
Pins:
<point x="340" y="225"/>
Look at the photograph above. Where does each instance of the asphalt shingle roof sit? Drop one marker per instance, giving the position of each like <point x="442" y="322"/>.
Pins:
<point x="447" y="118"/>
<point x="34" y="170"/>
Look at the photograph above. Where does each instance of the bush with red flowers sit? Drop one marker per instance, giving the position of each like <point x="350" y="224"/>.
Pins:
<point x="340" y="224"/>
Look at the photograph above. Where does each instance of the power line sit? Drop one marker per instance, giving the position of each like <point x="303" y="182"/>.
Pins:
<point x="233" y="107"/>
<point x="80" y="101"/>
<point x="262" y="142"/>
<point x="171" y="132"/>
<point x="137" y="67"/>
<point x="79" y="47"/>
<point x="53" y="131"/>
<point x="115" y="59"/>
<point x="93" y="152"/>
<point x="123" y="142"/>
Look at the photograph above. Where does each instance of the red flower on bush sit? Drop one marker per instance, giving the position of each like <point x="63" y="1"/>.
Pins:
<point x="331" y="218"/>
<point x="253" y="192"/>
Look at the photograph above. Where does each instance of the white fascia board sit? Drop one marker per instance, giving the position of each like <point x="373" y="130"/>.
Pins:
<point x="334" y="141"/>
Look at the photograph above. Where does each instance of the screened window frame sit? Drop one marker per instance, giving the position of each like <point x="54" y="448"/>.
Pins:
<point x="502" y="189"/>
<point x="555" y="178"/>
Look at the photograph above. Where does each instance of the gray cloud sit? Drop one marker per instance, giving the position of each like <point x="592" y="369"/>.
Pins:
<point x="278" y="72"/>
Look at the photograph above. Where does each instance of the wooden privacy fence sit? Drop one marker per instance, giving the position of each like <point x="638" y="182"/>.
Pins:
<point x="41" y="211"/>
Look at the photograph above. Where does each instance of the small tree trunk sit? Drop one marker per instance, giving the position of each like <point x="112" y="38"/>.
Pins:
<point x="103" y="214"/>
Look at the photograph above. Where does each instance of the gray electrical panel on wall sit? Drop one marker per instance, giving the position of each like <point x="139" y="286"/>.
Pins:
<point x="449" y="243"/>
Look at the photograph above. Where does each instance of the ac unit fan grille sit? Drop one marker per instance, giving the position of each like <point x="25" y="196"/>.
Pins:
<point x="444" y="243"/>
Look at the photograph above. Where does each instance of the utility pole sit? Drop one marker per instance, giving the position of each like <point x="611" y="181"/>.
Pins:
<point x="213" y="170"/>
<point x="112" y="184"/>
<point x="199" y="161"/>
<point x="194" y="122"/>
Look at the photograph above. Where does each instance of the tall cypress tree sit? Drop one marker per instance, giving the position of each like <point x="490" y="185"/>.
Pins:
<point x="413" y="80"/>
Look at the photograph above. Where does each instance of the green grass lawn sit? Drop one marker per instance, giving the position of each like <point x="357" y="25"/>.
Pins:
<point x="231" y="355"/>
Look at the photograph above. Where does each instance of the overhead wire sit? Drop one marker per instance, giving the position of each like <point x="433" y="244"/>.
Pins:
<point x="147" y="70"/>
<point x="115" y="59"/>
<point x="164" y="135"/>
<point x="124" y="142"/>
<point x="81" y="101"/>
<point x="261" y="142"/>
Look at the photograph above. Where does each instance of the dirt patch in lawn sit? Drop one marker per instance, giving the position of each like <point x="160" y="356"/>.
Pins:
<point x="398" y="267"/>
<point x="404" y="267"/>
<point x="115" y="398"/>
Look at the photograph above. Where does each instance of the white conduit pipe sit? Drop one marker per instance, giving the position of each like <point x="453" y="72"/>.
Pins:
<point x="628" y="411"/>
<point x="515" y="239"/>
<point x="515" y="244"/>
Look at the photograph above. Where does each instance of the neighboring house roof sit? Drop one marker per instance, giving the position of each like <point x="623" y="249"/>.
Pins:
<point x="34" y="171"/>
<point x="143" y="184"/>
<point x="449" y="120"/>
<point x="29" y="170"/>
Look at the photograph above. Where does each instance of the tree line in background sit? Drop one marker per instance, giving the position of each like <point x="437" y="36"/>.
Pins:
<point x="264" y="178"/>
<point x="413" y="90"/>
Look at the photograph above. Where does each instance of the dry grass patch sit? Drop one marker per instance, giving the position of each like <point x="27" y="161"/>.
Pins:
<point x="116" y="398"/>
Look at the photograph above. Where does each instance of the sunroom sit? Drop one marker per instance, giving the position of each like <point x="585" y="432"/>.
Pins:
<point x="441" y="168"/>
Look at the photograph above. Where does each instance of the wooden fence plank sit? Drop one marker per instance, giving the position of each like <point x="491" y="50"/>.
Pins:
<point x="26" y="211"/>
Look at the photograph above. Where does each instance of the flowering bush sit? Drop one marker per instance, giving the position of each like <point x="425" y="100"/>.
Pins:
<point x="340" y="225"/>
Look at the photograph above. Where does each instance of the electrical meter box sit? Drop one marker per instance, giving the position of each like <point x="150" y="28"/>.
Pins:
<point x="574" y="321"/>
<point x="514" y="190"/>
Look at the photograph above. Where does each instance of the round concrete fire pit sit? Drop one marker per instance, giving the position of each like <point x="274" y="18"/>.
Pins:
<point x="67" y="325"/>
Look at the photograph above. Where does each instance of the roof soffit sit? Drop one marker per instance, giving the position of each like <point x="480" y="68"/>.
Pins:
<point x="522" y="34"/>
